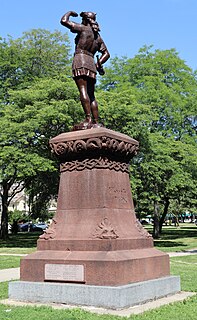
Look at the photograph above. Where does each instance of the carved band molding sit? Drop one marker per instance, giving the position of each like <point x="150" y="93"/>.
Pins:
<point x="101" y="163"/>
<point x="98" y="143"/>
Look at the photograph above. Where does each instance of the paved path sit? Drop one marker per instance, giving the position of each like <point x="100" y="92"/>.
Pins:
<point x="14" y="254"/>
<point x="183" y="253"/>
<point x="14" y="273"/>
<point x="9" y="274"/>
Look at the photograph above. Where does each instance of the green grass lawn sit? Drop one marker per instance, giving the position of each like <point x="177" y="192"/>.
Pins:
<point x="23" y="242"/>
<point x="177" y="239"/>
<point x="186" y="268"/>
<point x="3" y="290"/>
<point x="7" y="262"/>
<point x="185" y="310"/>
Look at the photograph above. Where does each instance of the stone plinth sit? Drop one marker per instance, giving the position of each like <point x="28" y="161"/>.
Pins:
<point x="95" y="238"/>
<point x="98" y="296"/>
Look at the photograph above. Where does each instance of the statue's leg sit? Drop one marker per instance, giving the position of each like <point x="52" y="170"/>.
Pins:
<point x="82" y="85"/>
<point x="93" y="102"/>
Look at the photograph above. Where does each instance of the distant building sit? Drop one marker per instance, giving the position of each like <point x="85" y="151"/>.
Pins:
<point x="21" y="202"/>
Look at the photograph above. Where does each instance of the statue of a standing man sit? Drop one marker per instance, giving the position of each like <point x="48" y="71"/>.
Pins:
<point x="88" y="41"/>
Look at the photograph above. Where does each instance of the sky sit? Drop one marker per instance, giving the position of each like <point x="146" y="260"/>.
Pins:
<point x="126" y="25"/>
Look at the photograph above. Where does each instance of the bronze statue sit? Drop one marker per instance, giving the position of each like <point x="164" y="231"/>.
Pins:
<point x="84" y="69"/>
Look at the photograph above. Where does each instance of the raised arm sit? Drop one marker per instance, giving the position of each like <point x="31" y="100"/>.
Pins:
<point x="65" y="19"/>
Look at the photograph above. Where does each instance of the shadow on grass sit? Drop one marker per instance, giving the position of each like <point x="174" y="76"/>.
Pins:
<point x="169" y="244"/>
<point x="176" y="233"/>
<point x="172" y="233"/>
<point x="176" y="237"/>
<point x="21" y="240"/>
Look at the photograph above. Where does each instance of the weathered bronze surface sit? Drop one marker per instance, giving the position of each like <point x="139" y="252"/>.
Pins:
<point x="84" y="69"/>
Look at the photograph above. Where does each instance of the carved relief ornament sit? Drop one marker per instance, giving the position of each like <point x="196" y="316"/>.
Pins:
<point x="100" y="163"/>
<point x="141" y="229"/>
<point x="108" y="144"/>
<point x="50" y="233"/>
<point x="105" y="230"/>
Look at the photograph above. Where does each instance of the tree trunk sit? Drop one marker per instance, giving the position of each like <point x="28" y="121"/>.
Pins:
<point x="156" y="233"/>
<point x="165" y="211"/>
<point x="4" y="217"/>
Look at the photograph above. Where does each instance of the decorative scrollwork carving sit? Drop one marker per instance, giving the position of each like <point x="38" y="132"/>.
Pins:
<point x="106" y="144"/>
<point x="79" y="145"/>
<point x="142" y="231"/>
<point x="101" y="163"/>
<point x="50" y="233"/>
<point x="94" y="143"/>
<point x="61" y="148"/>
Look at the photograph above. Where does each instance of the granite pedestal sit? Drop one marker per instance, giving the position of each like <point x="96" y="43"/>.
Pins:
<point x="119" y="297"/>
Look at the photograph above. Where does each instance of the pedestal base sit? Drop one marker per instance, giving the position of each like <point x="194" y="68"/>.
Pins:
<point x="98" y="296"/>
<point x="95" y="238"/>
<point x="104" y="268"/>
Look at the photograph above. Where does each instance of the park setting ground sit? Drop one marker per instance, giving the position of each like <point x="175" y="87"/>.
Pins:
<point x="172" y="240"/>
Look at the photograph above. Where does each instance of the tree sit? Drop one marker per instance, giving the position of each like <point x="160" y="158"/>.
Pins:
<point x="167" y="177"/>
<point x="164" y="87"/>
<point x="151" y="97"/>
<point x="35" y="115"/>
<point x="33" y="108"/>
<point x="164" y="83"/>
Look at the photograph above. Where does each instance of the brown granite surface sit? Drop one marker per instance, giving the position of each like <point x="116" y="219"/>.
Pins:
<point x="95" y="223"/>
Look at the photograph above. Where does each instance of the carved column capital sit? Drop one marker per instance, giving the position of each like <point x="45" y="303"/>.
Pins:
<point x="99" y="147"/>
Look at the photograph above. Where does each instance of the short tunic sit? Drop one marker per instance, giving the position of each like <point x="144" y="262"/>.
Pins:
<point x="86" y="46"/>
<point x="83" y="65"/>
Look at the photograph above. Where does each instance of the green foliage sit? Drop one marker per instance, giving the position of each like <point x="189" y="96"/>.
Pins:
<point x="152" y="97"/>
<point x="16" y="215"/>
<point x="38" y="53"/>
<point x="164" y="83"/>
<point x="35" y="115"/>
<point x="37" y="102"/>
<point x="167" y="169"/>
<point x="121" y="111"/>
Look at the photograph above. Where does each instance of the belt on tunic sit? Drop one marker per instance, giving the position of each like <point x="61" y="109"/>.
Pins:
<point x="78" y="51"/>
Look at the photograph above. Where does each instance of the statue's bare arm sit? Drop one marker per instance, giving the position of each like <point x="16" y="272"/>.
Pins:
<point x="104" y="57"/>
<point x="65" y="19"/>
